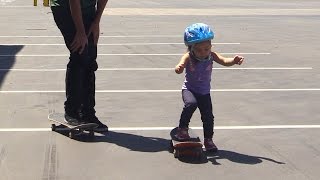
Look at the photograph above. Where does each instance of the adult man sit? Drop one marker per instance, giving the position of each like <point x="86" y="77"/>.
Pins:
<point x="78" y="21"/>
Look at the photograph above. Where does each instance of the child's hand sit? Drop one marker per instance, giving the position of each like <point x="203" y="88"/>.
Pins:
<point x="179" y="68"/>
<point x="238" y="60"/>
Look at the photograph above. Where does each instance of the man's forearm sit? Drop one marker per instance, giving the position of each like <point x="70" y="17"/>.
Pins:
<point x="75" y="8"/>
<point x="100" y="8"/>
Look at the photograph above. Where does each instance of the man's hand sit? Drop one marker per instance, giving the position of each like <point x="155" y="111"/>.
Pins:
<point x="79" y="42"/>
<point x="95" y="30"/>
<point x="80" y="39"/>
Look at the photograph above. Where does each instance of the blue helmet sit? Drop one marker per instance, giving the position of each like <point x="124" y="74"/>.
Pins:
<point x="196" y="33"/>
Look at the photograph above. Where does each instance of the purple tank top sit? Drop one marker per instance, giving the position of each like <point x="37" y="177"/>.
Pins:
<point x="198" y="76"/>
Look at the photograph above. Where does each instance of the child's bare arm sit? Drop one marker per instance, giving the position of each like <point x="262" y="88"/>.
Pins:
<point x="182" y="64"/>
<point x="227" y="61"/>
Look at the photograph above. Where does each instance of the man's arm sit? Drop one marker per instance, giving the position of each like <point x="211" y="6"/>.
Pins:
<point x="100" y="8"/>
<point x="95" y="26"/>
<point x="80" y="40"/>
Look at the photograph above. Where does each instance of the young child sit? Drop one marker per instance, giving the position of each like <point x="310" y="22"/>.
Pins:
<point x="198" y="63"/>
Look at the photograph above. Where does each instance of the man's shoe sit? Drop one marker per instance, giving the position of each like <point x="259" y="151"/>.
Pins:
<point x="102" y="128"/>
<point x="72" y="120"/>
<point x="182" y="134"/>
<point x="209" y="145"/>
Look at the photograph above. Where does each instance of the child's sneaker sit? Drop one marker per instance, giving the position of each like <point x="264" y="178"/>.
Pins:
<point x="209" y="145"/>
<point x="182" y="134"/>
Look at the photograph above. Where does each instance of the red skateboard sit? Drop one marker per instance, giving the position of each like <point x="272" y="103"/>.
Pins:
<point x="190" y="147"/>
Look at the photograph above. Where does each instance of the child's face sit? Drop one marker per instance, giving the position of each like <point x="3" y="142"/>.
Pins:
<point x="202" y="50"/>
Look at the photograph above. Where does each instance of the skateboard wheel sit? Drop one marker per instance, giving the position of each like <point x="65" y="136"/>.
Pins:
<point x="176" y="153"/>
<point x="53" y="127"/>
<point x="171" y="148"/>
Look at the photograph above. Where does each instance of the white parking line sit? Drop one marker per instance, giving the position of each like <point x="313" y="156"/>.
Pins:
<point x="114" y="36"/>
<point x="27" y="6"/>
<point x="170" y="128"/>
<point x="199" y="11"/>
<point x="112" y="44"/>
<point x="162" y="69"/>
<point x="66" y="55"/>
<point x="211" y="12"/>
<point x="164" y="91"/>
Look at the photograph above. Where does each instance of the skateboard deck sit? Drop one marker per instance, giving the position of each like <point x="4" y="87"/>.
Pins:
<point x="58" y="118"/>
<point x="189" y="147"/>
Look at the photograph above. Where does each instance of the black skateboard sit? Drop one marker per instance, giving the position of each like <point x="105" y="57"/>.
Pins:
<point x="73" y="130"/>
<point x="189" y="147"/>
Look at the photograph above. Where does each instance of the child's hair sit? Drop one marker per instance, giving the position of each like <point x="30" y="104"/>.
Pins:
<point x="190" y="46"/>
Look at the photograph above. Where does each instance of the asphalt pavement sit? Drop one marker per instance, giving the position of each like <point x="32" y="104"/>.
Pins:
<point x="266" y="110"/>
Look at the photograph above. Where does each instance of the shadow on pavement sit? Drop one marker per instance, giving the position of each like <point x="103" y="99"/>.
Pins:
<point x="129" y="141"/>
<point x="135" y="142"/>
<point x="154" y="144"/>
<point x="237" y="158"/>
<point x="193" y="160"/>
<point x="7" y="59"/>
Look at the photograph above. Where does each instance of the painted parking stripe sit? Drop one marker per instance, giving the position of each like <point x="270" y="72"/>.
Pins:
<point x="138" y="54"/>
<point x="110" y="36"/>
<point x="162" y="69"/>
<point x="110" y="44"/>
<point x="169" y="128"/>
<point x="211" y="12"/>
<point x="163" y="91"/>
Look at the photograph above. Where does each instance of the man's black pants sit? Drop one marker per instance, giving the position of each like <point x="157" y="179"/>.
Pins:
<point x="80" y="73"/>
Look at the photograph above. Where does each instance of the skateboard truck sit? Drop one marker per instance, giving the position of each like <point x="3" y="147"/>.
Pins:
<point x="58" y="118"/>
